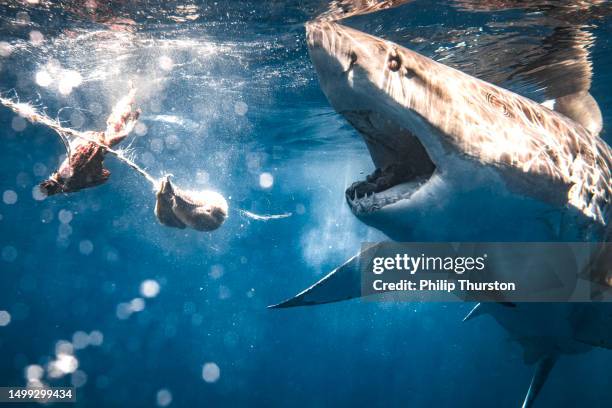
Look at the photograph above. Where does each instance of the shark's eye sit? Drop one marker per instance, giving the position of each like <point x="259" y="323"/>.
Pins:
<point x="394" y="63"/>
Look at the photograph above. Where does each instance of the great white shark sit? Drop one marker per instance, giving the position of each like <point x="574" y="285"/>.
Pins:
<point x="459" y="159"/>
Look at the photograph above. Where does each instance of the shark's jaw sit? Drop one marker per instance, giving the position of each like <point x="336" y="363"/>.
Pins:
<point x="403" y="164"/>
<point x="344" y="60"/>
<point x="420" y="119"/>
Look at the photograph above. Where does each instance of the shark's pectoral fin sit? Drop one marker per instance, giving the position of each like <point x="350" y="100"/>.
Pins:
<point x="342" y="283"/>
<point x="545" y="365"/>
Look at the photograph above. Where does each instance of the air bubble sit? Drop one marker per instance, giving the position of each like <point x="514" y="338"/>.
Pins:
<point x="216" y="271"/>
<point x="65" y="216"/>
<point x="5" y="49"/>
<point x="140" y="129"/>
<point x="9" y="253"/>
<point x="34" y="372"/>
<point x="9" y="197"/>
<point x="86" y="247"/>
<point x="149" y="288"/>
<point x="164" y="398"/>
<point x="38" y="194"/>
<point x="241" y="108"/>
<point x="80" y="340"/>
<point x="266" y="180"/>
<point x="165" y="63"/>
<point x="18" y="124"/>
<point x="211" y="372"/>
<point x="77" y="120"/>
<point x="96" y="338"/>
<point x="78" y="379"/>
<point x="137" y="305"/>
<point x="5" y="318"/>
<point x="43" y="78"/>
<point x="36" y="37"/>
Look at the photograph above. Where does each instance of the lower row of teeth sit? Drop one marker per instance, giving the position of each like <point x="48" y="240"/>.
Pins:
<point x="372" y="202"/>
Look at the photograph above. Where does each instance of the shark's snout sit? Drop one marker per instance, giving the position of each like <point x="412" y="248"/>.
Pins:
<point x="330" y="50"/>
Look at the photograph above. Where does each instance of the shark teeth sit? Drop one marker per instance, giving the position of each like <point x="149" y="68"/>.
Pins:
<point x="373" y="202"/>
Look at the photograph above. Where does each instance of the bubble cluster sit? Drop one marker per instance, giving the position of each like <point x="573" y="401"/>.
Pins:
<point x="62" y="365"/>
<point x="149" y="289"/>
<point x="65" y="361"/>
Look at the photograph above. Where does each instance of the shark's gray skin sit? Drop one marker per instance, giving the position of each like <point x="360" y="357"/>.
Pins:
<point x="440" y="138"/>
<point x="460" y="159"/>
<point x="548" y="330"/>
<point x="557" y="64"/>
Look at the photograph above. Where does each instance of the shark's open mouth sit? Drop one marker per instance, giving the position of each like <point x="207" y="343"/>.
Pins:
<point x="391" y="183"/>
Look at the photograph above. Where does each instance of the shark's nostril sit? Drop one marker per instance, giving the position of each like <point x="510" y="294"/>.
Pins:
<point x="353" y="60"/>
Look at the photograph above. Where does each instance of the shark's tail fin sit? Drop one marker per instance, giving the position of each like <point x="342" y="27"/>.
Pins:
<point x="545" y="365"/>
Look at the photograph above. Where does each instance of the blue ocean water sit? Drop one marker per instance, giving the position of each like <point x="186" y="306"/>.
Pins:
<point x="231" y="102"/>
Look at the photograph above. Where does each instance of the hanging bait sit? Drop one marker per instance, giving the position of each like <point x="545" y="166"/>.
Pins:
<point x="201" y="210"/>
<point x="84" y="163"/>
<point x="84" y="167"/>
